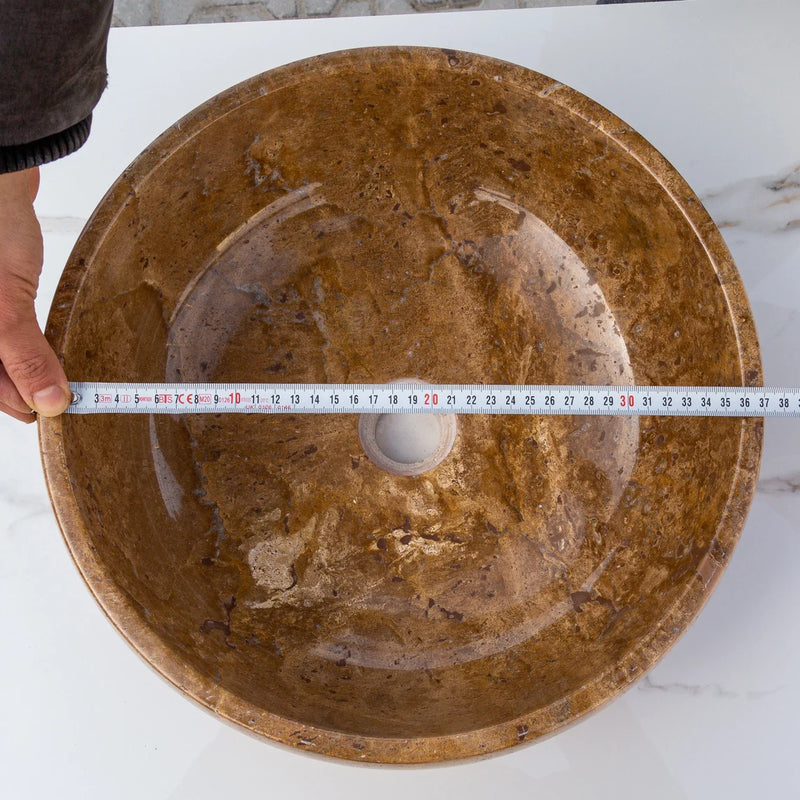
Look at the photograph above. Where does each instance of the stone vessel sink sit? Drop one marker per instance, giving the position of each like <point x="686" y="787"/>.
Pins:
<point x="366" y="216"/>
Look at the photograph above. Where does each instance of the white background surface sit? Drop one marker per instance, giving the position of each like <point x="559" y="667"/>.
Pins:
<point x="713" y="84"/>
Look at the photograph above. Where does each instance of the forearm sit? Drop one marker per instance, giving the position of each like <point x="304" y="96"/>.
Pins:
<point x="52" y="73"/>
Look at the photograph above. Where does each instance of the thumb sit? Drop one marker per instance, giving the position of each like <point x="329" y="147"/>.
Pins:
<point x="30" y="362"/>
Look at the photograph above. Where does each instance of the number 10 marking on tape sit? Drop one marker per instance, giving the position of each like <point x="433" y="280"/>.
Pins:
<point x="416" y="398"/>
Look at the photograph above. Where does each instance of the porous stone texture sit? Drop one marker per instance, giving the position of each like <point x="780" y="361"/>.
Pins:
<point x="390" y="213"/>
<point x="394" y="7"/>
<point x="356" y="8"/>
<point x="491" y="5"/>
<point x="131" y="13"/>
<point x="176" y="12"/>
<point x="245" y="12"/>
<point x="319" y="8"/>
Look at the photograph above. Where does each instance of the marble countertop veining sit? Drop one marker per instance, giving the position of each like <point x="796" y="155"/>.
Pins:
<point x="719" y="715"/>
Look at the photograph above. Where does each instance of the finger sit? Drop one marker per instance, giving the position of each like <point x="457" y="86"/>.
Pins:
<point x="32" y="365"/>
<point x="9" y="396"/>
<point x="26" y="417"/>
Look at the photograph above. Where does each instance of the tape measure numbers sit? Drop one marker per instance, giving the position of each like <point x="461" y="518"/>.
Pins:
<point x="416" y="398"/>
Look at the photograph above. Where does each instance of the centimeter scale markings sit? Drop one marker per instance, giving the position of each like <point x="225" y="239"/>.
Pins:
<point x="404" y="398"/>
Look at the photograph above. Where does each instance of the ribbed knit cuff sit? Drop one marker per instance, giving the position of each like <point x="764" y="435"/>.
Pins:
<point x="24" y="156"/>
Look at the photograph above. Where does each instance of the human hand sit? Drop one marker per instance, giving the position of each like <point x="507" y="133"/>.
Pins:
<point x="31" y="376"/>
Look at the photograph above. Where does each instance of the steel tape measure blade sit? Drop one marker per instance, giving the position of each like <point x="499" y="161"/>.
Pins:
<point x="415" y="398"/>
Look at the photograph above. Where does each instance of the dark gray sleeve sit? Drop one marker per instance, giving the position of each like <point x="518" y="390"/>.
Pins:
<point x="52" y="73"/>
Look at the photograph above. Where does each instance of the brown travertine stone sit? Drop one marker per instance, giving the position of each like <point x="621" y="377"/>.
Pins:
<point x="360" y="217"/>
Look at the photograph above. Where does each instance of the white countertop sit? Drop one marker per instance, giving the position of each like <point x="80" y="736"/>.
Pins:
<point x="713" y="84"/>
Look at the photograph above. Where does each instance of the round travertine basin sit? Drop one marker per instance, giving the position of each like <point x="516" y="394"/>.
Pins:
<point x="365" y="216"/>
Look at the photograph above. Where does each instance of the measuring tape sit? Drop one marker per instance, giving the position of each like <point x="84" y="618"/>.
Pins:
<point x="416" y="398"/>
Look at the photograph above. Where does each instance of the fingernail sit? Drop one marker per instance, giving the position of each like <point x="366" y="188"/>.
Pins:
<point x="50" y="402"/>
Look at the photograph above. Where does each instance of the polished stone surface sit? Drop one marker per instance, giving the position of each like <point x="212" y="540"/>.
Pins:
<point x="449" y="217"/>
